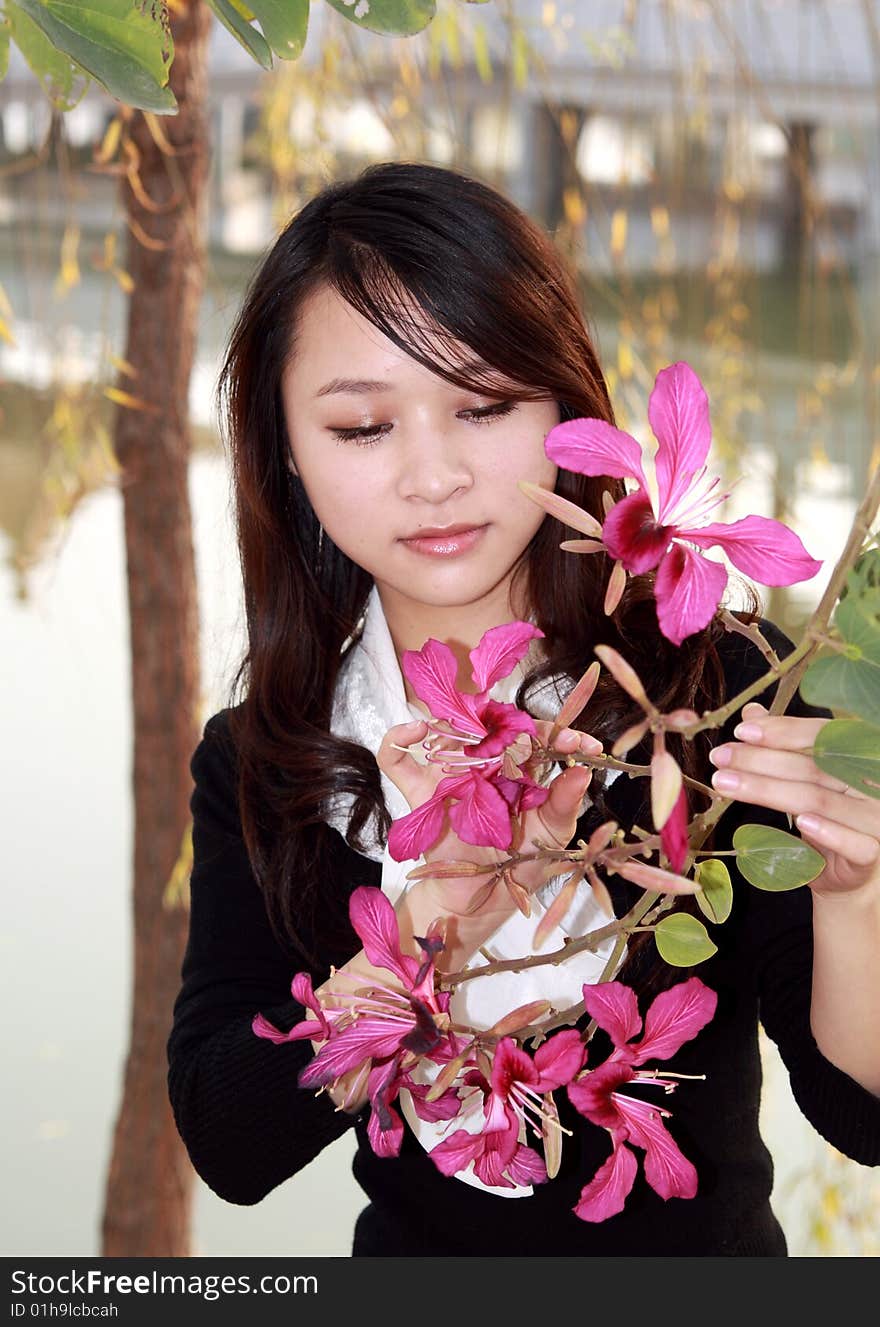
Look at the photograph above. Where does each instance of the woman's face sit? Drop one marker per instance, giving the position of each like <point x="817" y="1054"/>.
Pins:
<point x="386" y="449"/>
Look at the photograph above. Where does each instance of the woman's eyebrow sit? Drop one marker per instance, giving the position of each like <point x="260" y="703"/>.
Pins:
<point x="354" y="385"/>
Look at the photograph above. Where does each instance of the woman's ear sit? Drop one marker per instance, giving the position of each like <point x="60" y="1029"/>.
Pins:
<point x="292" y="468"/>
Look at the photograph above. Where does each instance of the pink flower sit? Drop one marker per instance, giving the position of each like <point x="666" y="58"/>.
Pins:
<point x="488" y="794"/>
<point x="674" y="1017"/>
<point x="674" y="834"/>
<point x="656" y="527"/>
<point x="382" y="1029"/>
<point x="512" y="1101"/>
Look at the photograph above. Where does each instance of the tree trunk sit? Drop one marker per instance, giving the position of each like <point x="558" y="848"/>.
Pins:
<point x="149" y="1186"/>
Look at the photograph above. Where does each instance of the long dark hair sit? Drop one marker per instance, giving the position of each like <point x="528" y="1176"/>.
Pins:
<point x="490" y="277"/>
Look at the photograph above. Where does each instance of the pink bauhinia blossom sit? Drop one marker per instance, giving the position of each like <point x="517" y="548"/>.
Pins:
<point x="656" y="526"/>
<point x="511" y="1101"/>
<point x="674" y="1017"/>
<point x="486" y="790"/>
<point x="380" y="1029"/>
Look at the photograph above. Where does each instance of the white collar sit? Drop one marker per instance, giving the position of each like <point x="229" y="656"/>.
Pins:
<point x="370" y="698"/>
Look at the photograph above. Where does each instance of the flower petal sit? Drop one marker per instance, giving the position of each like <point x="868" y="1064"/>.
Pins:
<point x="433" y="670"/>
<point x="592" y="447"/>
<point x="678" y="412"/>
<point x="410" y="835"/>
<point x="511" y="1064"/>
<point x="375" y="921"/>
<point x="568" y="513"/>
<point x="609" y="1188"/>
<point x="666" y="786"/>
<point x="667" y="1169"/>
<point x="615" y="1008"/>
<point x="301" y="989"/>
<point x="558" y="1059"/>
<point x="500" y="650"/>
<point x="385" y="1127"/>
<point x="444" y="1107"/>
<point x="457" y="1151"/>
<point x="674" y="835"/>
<point x="688" y="589"/>
<point x="595" y="1094"/>
<point x="527" y="1167"/>
<point x="482" y="817"/>
<point x="498" y="1150"/>
<point x="368" y="1038"/>
<point x="760" y="547"/>
<point x="632" y="535"/>
<point x="675" y="1016"/>
<point x="504" y="723"/>
<point x="307" y="1028"/>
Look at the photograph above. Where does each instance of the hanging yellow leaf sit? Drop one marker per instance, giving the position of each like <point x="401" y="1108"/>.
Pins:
<point x="157" y="133"/>
<point x="130" y="402"/>
<point x="482" y="58"/>
<point x="624" y="360"/>
<point x="68" y="273"/>
<point x="618" y="232"/>
<point x="574" y="207"/>
<point x="107" y="259"/>
<point x="110" y="142"/>
<point x="519" y="59"/>
<point x="123" y="365"/>
<point x="155" y="246"/>
<point x="660" y="221"/>
<point x="176" y="893"/>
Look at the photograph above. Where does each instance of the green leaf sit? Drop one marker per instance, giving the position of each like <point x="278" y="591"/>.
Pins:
<point x="285" y="25"/>
<point x="683" y="940"/>
<point x="775" y="861"/>
<point x="123" y="48"/>
<point x="482" y="56"/>
<point x="395" y="18"/>
<point x="849" y="749"/>
<point x="850" y="681"/>
<point x="249" y="37"/>
<point x="716" y="899"/>
<point x="61" y="78"/>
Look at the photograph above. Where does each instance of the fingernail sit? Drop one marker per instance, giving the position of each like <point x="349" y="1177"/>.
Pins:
<point x="726" y="780"/>
<point x="748" y="732"/>
<point x="720" y="755"/>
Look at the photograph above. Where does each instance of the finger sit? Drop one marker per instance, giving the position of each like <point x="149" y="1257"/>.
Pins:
<point x="861" y="814"/>
<point x="783" y="731"/>
<point x="559" y="814"/>
<point x="861" y="850"/>
<point x="743" y="756"/>
<point x="568" y="740"/>
<point x="395" y="760"/>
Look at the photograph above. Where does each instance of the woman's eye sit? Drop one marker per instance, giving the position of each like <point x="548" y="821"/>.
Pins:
<point x="487" y="413"/>
<point x="369" y="435"/>
<point x="364" y="437"/>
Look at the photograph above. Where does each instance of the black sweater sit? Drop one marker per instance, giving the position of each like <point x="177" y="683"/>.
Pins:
<point x="248" y="1127"/>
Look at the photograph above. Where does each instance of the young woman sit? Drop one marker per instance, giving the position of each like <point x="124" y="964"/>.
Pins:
<point x="398" y="361"/>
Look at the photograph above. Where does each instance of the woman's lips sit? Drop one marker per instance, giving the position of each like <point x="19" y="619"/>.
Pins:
<point x="446" y="545"/>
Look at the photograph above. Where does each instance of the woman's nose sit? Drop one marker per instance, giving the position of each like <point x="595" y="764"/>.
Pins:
<point x="433" y="465"/>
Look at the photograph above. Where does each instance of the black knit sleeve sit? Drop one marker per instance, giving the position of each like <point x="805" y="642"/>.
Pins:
<point x="246" y="1124"/>
<point x="778" y="943"/>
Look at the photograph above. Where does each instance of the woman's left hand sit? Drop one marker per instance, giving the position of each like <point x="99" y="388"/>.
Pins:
<point x="771" y="765"/>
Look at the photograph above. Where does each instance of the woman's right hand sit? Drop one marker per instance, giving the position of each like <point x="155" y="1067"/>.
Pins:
<point x="554" y="822"/>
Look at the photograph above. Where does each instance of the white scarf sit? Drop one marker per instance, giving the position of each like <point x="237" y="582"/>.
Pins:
<point x="370" y="698"/>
